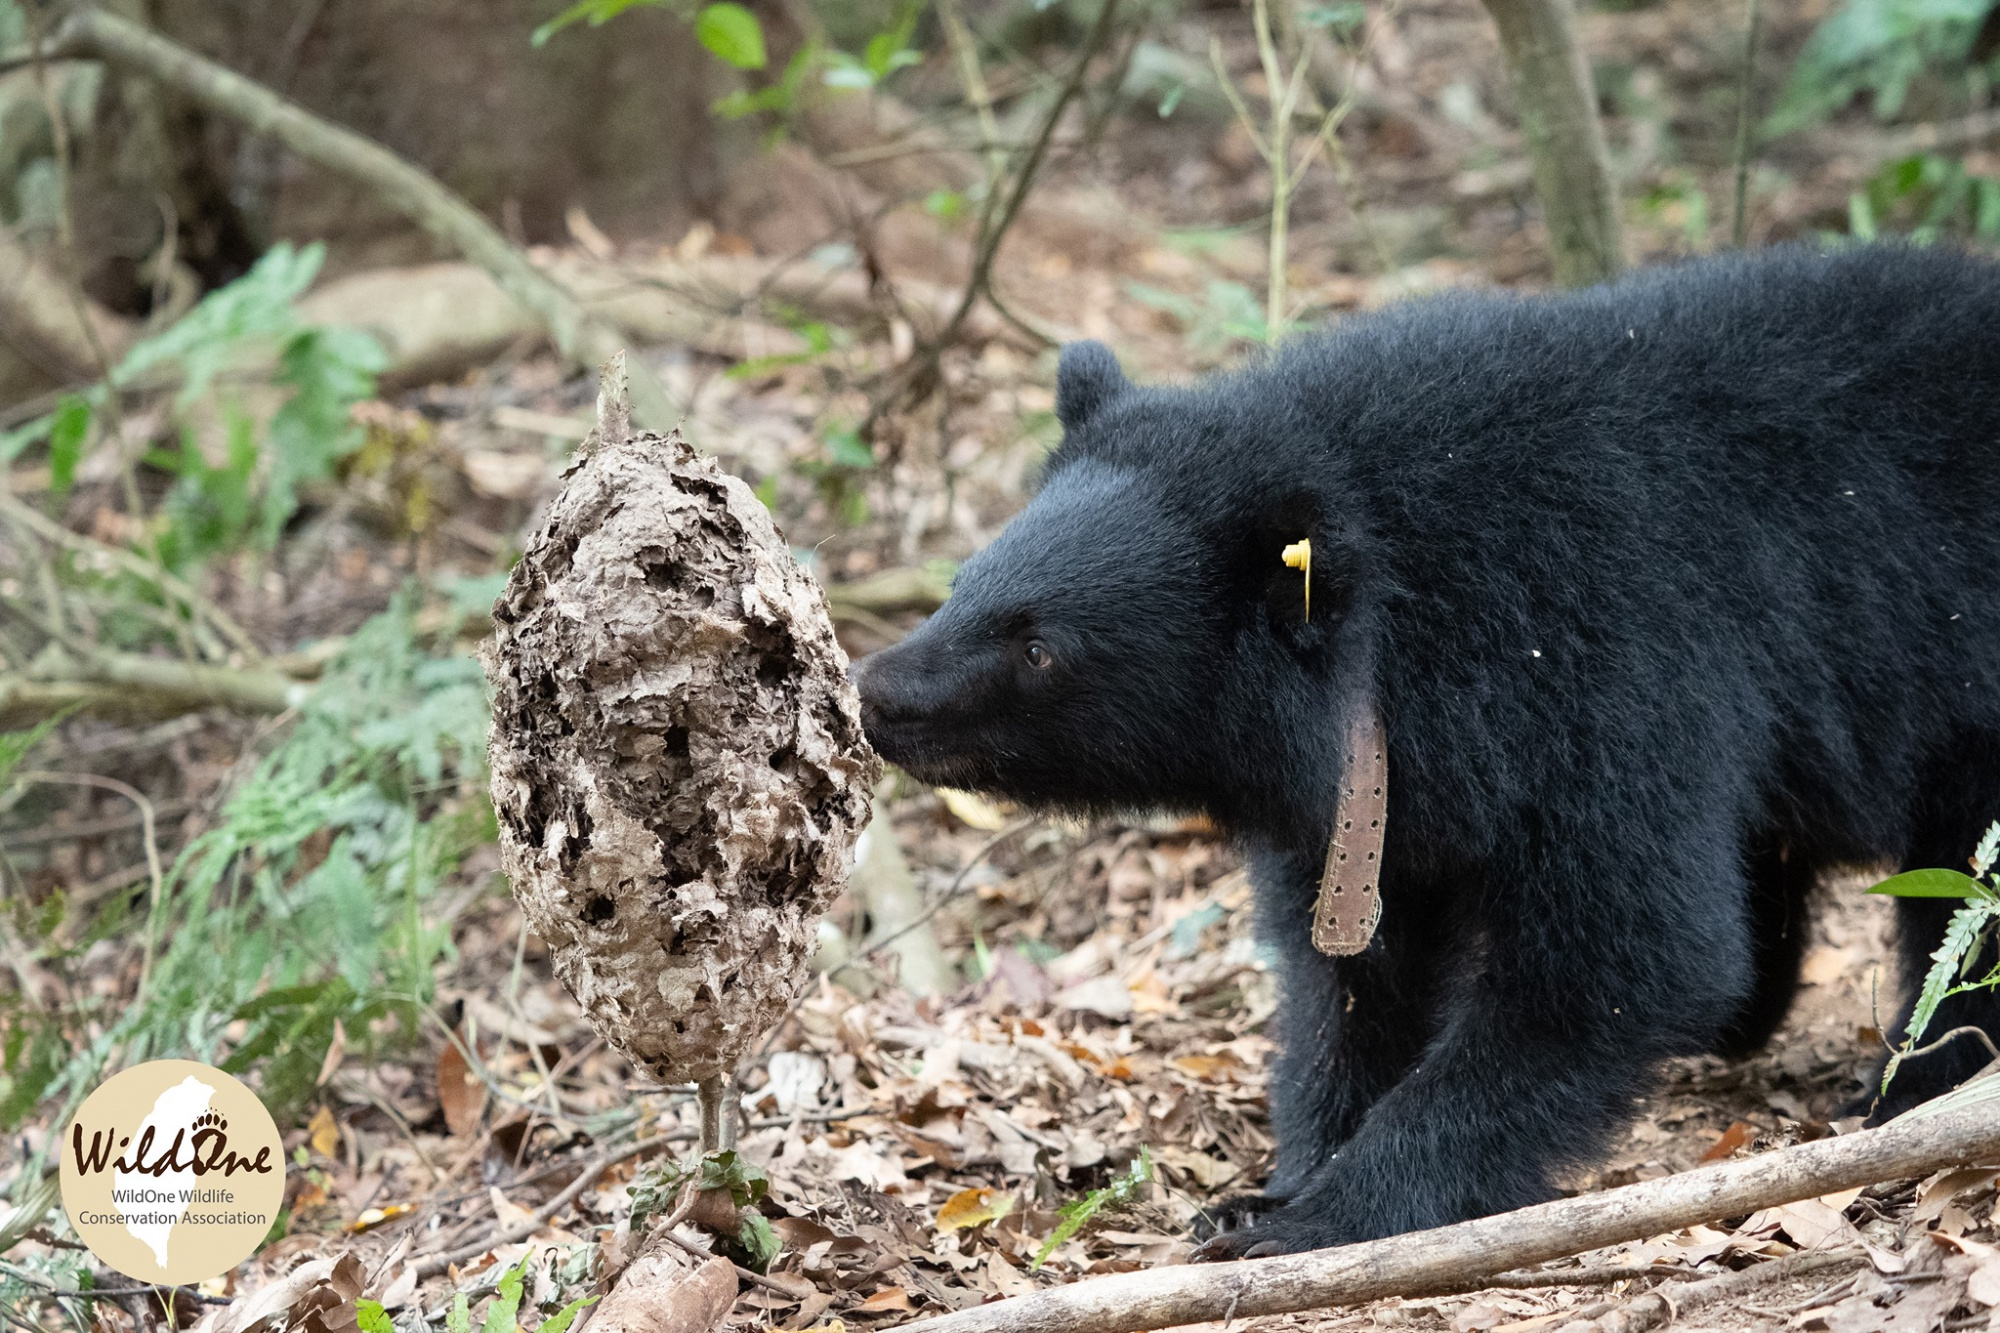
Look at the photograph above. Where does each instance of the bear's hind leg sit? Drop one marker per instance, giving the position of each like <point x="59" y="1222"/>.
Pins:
<point x="1780" y="883"/>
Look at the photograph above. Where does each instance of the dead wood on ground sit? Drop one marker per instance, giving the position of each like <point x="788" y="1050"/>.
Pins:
<point x="1457" y="1258"/>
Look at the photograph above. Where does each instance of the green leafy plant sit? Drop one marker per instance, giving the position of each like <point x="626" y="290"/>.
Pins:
<point x="252" y="493"/>
<point x="655" y="1192"/>
<point x="596" y="13"/>
<point x="1926" y="196"/>
<point x="1227" y="313"/>
<point x="311" y="907"/>
<point x="1954" y="969"/>
<point x="502" y="1315"/>
<point x="1878" y="47"/>
<point x="885" y="53"/>
<point x="733" y="35"/>
<point x="1075" y="1215"/>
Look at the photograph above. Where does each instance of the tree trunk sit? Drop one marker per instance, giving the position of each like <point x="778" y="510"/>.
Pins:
<point x="1558" y="106"/>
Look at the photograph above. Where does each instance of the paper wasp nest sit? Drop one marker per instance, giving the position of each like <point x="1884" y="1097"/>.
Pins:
<point x="678" y="762"/>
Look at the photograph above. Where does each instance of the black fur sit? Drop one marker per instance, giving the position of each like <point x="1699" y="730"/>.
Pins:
<point x="1672" y="593"/>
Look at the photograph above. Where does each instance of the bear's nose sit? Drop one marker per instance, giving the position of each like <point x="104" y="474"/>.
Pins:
<point x="874" y="678"/>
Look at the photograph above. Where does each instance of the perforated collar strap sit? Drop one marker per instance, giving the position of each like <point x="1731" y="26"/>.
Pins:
<point x="1350" y="899"/>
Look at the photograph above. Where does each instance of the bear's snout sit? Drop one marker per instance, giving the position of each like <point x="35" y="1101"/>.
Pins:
<point x="887" y="699"/>
<point x="910" y="709"/>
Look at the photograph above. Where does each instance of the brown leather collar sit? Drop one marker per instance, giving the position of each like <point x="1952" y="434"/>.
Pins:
<point x="1350" y="899"/>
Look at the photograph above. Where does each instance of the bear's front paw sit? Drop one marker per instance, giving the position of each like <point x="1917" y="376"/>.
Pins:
<point x="1235" y="1211"/>
<point x="1287" y="1231"/>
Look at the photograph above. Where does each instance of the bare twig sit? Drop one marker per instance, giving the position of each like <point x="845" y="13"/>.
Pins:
<point x="1966" y="1031"/>
<point x="965" y="50"/>
<point x="129" y="682"/>
<point x="1596" y="1275"/>
<point x="1558" y="106"/>
<point x="980" y="284"/>
<point x="54" y="1292"/>
<point x="951" y="890"/>
<point x="1656" y="1308"/>
<point x="520" y="1231"/>
<point x="1458" y="1258"/>
<point x="145" y="807"/>
<point x="1746" y="98"/>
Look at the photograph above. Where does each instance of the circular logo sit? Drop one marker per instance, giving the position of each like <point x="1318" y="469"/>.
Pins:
<point x="172" y="1172"/>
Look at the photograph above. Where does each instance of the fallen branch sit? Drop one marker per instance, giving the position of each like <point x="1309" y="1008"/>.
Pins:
<point x="53" y="329"/>
<point x="130" y="685"/>
<point x="906" y="588"/>
<point x="528" y="1226"/>
<point x="1657" y="1307"/>
<point x="94" y="34"/>
<point x="1457" y="1258"/>
<point x="102" y="683"/>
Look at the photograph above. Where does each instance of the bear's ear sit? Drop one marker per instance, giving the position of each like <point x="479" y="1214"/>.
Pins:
<point x="1087" y="377"/>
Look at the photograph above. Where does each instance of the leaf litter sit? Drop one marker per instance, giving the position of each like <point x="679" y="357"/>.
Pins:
<point x="911" y="1155"/>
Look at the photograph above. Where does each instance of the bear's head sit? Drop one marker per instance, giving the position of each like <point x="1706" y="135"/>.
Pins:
<point x="1133" y="640"/>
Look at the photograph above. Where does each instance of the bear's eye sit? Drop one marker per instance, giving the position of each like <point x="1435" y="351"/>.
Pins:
<point x="1038" y="655"/>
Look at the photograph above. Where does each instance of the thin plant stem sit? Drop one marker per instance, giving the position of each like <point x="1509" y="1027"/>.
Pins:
<point x="1024" y="177"/>
<point x="148" y="833"/>
<point x="1746" y="91"/>
<point x="128" y="478"/>
<point x="965" y="50"/>
<point x="1273" y="142"/>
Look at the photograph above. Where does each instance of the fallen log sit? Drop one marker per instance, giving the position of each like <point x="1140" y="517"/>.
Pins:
<point x="1456" y="1258"/>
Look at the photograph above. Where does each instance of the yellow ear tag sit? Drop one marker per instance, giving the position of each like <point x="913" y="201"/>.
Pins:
<point x="1299" y="555"/>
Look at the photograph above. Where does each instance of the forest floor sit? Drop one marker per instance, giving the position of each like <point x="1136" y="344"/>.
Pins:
<point x="1093" y="990"/>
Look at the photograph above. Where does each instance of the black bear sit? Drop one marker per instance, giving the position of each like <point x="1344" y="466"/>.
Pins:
<point x="1660" y="598"/>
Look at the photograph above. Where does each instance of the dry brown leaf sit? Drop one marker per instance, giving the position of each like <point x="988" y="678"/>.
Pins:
<point x="1105" y="996"/>
<point x="1942" y="1188"/>
<point x="511" y="1214"/>
<point x="1732" y="1138"/>
<point x="1539" y="1321"/>
<point x="1983" y="1282"/>
<point x="336" y="1051"/>
<point x="974" y="1207"/>
<point x="1825" y="964"/>
<point x="323" y="1133"/>
<point x="973" y="810"/>
<point x="1490" y="1312"/>
<point x="1208" y="1172"/>
<point x="1005" y="1278"/>
<point x="370" y="1218"/>
<point x="889" y="1300"/>
<point x="1814" y="1226"/>
<point x="459" y="1092"/>
<point x="1218" y="1068"/>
